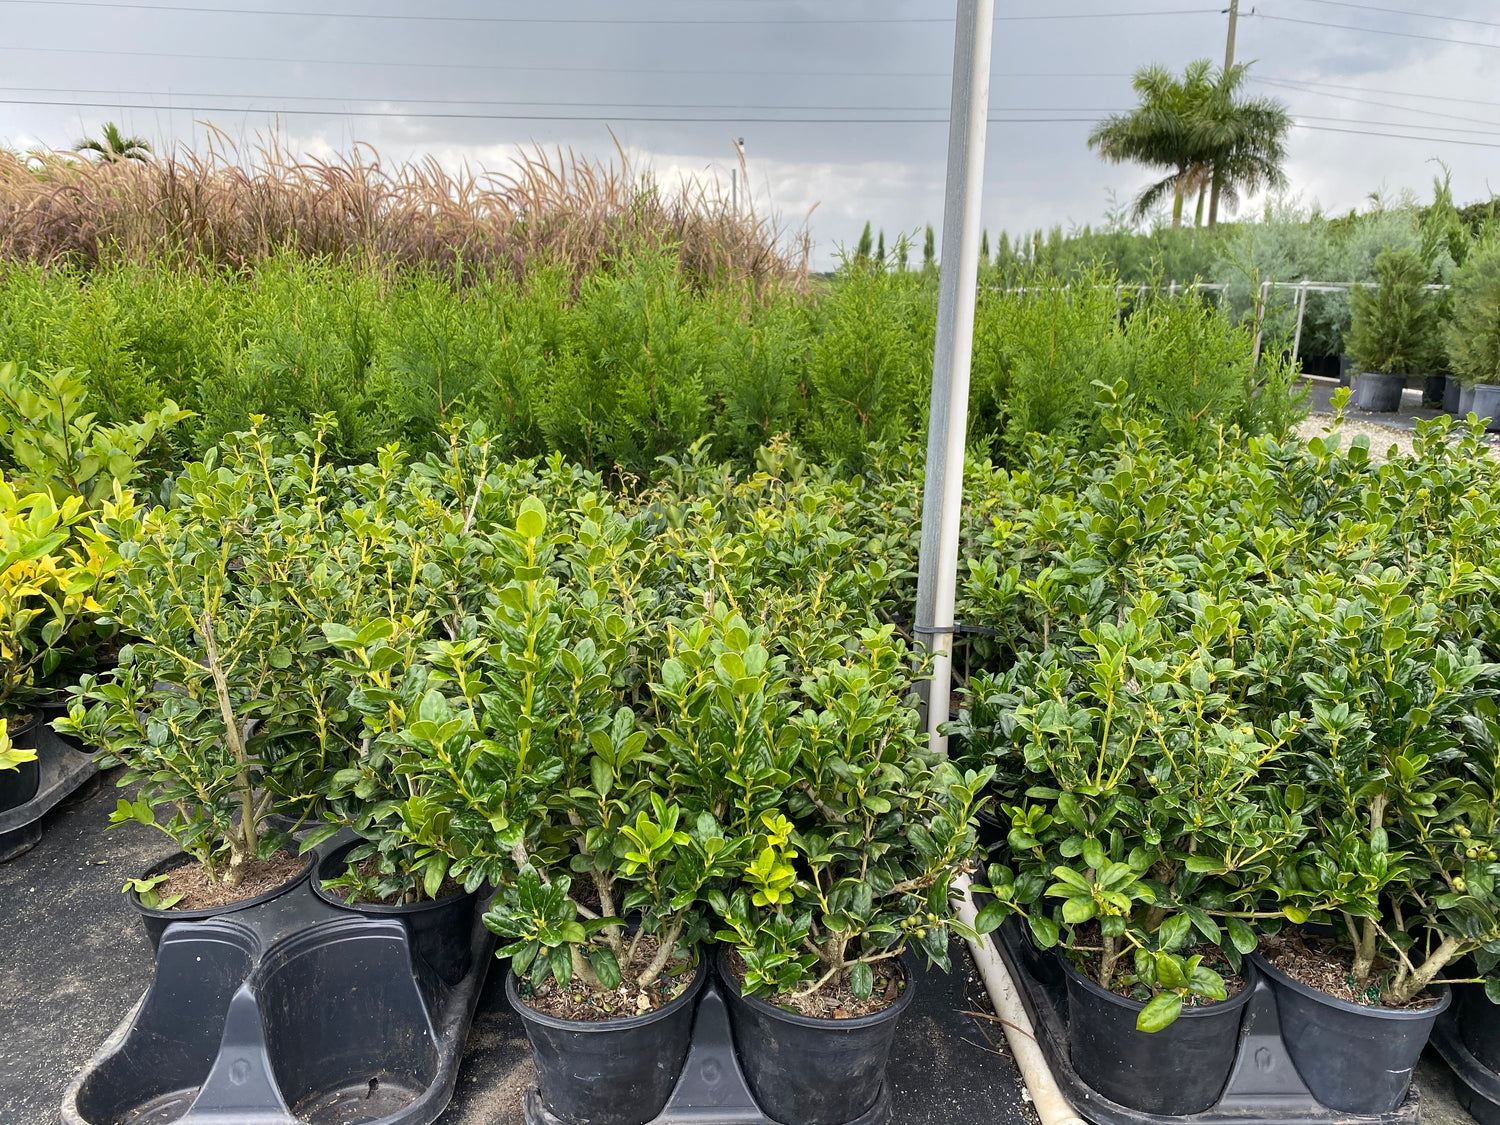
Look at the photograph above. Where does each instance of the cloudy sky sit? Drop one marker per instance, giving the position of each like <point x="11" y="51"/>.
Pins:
<point x="842" y="103"/>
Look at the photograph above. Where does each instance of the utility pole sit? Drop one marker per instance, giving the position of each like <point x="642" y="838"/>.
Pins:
<point x="1234" y="20"/>
<point x="947" y="427"/>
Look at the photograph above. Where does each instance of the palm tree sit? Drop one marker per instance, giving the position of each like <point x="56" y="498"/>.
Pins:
<point x="1163" y="132"/>
<point x="114" y="145"/>
<point x="1199" y="129"/>
<point x="1246" y="141"/>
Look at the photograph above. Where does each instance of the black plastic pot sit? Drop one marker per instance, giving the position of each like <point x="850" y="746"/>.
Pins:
<point x="1378" y="391"/>
<point x="1451" y="390"/>
<point x="156" y="921"/>
<point x="610" y="1072"/>
<point x="286" y="1011"/>
<point x="57" y="709"/>
<point x="1180" y="1069"/>
<point x="1487" y="404"/>
<point x="440" y="930"/>
<point x="1479" y="1025"/>
<point x="1353" y="1058"/>
<point x="991" y="831"/>
<point x="1465" y="401"/>
<point x="806" y="1071"/>
<point x="1434" y="388"/>
<point x="19" y="785"/>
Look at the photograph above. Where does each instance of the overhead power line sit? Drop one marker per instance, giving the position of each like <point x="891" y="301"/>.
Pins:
<point x="1368" y="90"/>
<point x="1297" y="88"/>
<point x="1400" y="136"/>
<point x="1350" y="27"/>
<point x="611" y="20"/>
<point x="383" y="64"/>
<point x="574" y="103"/>
<point x="1407" y="12"/>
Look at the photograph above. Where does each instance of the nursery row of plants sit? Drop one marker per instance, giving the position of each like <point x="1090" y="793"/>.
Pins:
<point x="634" y="361"/>
<point x="1227" y="719"/>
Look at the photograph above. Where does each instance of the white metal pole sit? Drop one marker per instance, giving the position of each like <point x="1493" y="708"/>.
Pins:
<point x="947" y="426"/>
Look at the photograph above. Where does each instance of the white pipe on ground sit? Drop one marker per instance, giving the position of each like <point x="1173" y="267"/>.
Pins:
<point x="1051" y="1106"/>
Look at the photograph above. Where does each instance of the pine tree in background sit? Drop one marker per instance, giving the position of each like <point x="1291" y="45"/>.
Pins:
<point x="929" y="251"/>
<point x="865" y="245"/>
<point x="1002" y="251"/>
<point x="984" y="248"/>
<point x="880" y="248"/>
<point x="903" y="251"/>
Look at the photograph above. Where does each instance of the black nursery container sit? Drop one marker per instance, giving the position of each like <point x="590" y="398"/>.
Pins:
<point x="610" y="1072"/>
<point x="1354" y="1058"/>
<point x="806" y="1071"/>
<point x="19" y="785"/>
<point x="1452" y="389"/>
<point x="1180" y="1069"/>
<point x="440" y="929"/>
<point x="156" y="921"/>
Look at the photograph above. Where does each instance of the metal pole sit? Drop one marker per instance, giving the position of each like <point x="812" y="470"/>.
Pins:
<point x="1301" y="311"/>
<point x="947" y="426"/>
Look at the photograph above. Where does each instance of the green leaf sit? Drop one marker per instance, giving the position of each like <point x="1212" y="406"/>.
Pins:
<point x="1241" y="935"/>
<point x="1093" y="853"/>
<point x="531" y="521"/>
<point x="1160" y="1013"/>
<point x="1043" y="930"/>
<point x="862" y="980"/>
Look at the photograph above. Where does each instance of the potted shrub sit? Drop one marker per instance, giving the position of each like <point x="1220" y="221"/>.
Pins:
<point x="522" y="766"/>
<point x="1473" y="335"/>
<point x="1143" y="837"/>
<point x="1402" y="861"/>
<point x="51" y="572"/>
<point x="221" y="705"/>
<point x="1393" y="331"/>
<point x="855" y="835"/>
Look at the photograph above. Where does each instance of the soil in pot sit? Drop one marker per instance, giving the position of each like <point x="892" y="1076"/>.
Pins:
<point x="630" y="999"/>
<point x="1354" y="1055"/>
<point x="199" y="892"/>
<point x="264" y="881"/>
<point x="1127" y="1066"/>
<point x="610" y="1069"/>
<point x="816" y="1070"/>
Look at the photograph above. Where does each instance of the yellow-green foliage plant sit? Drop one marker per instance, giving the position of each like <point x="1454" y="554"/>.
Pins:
<point x="12" y="757"/>
<point x="52" y="568"/>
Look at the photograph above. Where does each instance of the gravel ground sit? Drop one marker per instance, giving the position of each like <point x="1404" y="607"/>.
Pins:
<point x="1382" y="438"/>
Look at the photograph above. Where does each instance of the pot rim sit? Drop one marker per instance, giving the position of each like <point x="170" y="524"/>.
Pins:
<point x="18" y="723"/>
<point x="182" y="859"/>
<point x="1197" y="1011"/>
<point x="797" y="1019"/>
<point x="529" y="1014"/>
<point x="381" y="909"/>
<point x="1282" y="980"/>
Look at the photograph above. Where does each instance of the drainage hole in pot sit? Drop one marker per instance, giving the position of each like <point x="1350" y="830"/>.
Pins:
<point x="161" y="1109"/>
<point x="380" y="1096"/>
<point x="1324" y="964"/>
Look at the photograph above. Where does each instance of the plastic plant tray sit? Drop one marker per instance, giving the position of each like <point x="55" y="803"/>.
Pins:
<point x="1475" y="1085"/>
<point x="1263" y="1088"/>
<point x="712" y="1089"/>
<point x="63" y="770"/>
<point x="292" y="1012"/>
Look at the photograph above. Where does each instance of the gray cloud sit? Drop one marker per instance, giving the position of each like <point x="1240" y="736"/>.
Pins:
<point x="1037" y="174"/>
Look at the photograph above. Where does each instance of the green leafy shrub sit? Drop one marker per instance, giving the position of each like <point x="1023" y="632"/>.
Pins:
<point x="1272" y="675"/>
<point x="1395" y="324"/>
<point x="1473" y="336"/>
